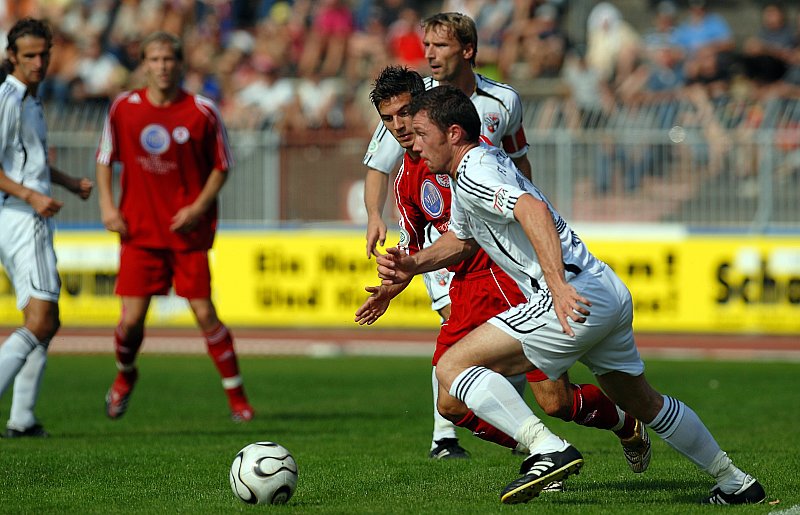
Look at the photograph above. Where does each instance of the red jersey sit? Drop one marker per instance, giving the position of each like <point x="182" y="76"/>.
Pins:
<point x="423" y="198"/>
<point x="167" y="154"/>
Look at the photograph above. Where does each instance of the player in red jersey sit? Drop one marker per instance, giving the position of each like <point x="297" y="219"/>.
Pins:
<point x="479" y="290"/>
<point x="175" y="156"/>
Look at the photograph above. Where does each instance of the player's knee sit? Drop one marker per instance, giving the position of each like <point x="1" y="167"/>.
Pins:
<point x="43" y="324"/>
<point x="451" y="408"/>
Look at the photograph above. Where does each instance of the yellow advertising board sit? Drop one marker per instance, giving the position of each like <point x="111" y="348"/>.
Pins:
<point x="316" y="278"/>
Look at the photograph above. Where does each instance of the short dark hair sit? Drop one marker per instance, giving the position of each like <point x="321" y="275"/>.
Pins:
<point x="26" y="27"/>
<point x="460" y="25"/>
<point x="163" y="37"/>
<point x="394" y="81"/>
<point x="447" y="105"/>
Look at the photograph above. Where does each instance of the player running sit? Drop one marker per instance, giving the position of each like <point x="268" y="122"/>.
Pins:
<point x="451" y="46"/>
<point x="479" y="289"/>
<point x="496" y="208"/>
<point x="175" y="157"/>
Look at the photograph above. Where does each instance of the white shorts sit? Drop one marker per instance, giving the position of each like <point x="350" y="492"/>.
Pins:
<point x="604" y="343"/>
<point x="27" y="254"/>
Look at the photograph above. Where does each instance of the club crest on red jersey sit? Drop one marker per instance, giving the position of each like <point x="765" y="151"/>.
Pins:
<point x="431" y="198"/>
<point x="443" y="179"/>
<point x="154" y="139"/>
<point x="492" y="121"/>
<point x="180" y="134"/>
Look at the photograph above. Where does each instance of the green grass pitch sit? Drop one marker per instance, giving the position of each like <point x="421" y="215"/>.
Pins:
<point x="359" y="429"/>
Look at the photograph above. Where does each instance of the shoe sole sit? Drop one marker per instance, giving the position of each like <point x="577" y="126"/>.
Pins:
<point x="531" y="489"/>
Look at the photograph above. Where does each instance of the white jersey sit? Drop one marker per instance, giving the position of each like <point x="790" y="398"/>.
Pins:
<point x="23" y="141"/>
<point x="500" y="111"/>
<point x="485" y="192"/>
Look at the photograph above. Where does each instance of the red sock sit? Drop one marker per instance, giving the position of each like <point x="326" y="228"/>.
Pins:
<point x="219" y="343"/>
<point x="591" y="408"/>
<point x="486" y="431"/>
<point x="126" y="347"/>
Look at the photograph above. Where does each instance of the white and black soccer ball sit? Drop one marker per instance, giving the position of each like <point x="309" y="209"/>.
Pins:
<point x="264" y="473"/>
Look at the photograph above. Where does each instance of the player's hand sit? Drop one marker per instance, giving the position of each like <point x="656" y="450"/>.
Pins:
<point x="376" y="235"/>
<point x="83" y="188"/>
<point x="569" y="305"/>
<point x="44" y="205"/>
<point x="185" y="220"/>
<point x="113" y="221"/>
<point x="395" y="266"/>
<point x="375" y="306"/>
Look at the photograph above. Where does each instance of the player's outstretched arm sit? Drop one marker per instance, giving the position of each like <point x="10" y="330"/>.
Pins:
<point x="537" y="222"/>
<point x="396" y="266"/>
<point x="376" y="187"/>
<point x="109" y="214"/>
<point x="377" y="303"/>
<point x="82" y="187"/>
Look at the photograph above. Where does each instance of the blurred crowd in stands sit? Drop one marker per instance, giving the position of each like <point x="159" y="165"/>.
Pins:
<point x="303" y="65"/>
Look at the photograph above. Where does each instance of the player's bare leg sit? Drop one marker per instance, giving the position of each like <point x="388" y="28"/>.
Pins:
<point x="473" y="371"/>
<point x="680" y="427"/>
<point x="128" y="337"/>
<point x="587" y="405"/>
<point x="219" y="343"/>
<point x="23" y="357"/>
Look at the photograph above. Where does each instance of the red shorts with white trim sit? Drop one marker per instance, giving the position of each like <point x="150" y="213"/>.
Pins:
<point x="147" y="272"/>
<point x="477" y="297"/>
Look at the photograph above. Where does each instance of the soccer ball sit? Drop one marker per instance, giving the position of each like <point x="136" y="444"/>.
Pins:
<point x="263" y="473"/>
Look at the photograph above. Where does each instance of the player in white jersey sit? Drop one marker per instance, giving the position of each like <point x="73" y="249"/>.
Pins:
<point x="451" y="45"/>
<point x="26" y="227"/>
<point x="495" y="207"/>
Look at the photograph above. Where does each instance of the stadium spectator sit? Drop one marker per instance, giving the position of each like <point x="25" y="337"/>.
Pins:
<point x="534" y="47"/>
<point x="326" y="42"/>
<point x="100" y="76"/>
<point x="769" y="54"/>
<point x="494" y="207"/>
<point x="612" y="45"/>
<point x="175" y="159"/>
<point x="405" y="40"/>
<point x="27" y="209"/>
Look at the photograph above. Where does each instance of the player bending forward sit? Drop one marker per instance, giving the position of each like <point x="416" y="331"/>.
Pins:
<point x="496" y="208"/>
<point x="479" y="289"/>
<point x="175" y="159"/>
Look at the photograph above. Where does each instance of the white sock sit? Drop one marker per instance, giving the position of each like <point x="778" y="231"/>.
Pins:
<point x="13" y="353"/>
<point x="26" y="390"/>
<point x="493" y="399"/>
<point x="538" y="438"/>
<point x="442" y="428"/>
<point x="683" y="430"/>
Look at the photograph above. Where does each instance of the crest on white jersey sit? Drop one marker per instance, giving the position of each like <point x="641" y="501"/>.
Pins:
<point x="373" y="146"/>
<point x="431" y="198"/>
<point x="492" y="121"/>
<point x="154" y="139"/>
<point x="405" y="238"/>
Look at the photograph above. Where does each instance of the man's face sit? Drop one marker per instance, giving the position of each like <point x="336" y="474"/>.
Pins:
<point x="431" y="143"/>
<point x="30" y="60"/>
<point x="396" y="118"/>
<point x="162" y="68"/>
<point x="445" y="55"/>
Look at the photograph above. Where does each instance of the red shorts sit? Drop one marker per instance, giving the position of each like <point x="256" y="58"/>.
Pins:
<point x="476" y="298"/>
<point x="146" y="272"/>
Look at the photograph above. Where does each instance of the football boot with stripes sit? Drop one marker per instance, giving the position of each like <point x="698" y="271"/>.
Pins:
<point x="637" y="448"/>
<point x="539" y="471"/>
<point x="751" y="492"/>
<point x="120" y="393"/>
<point x="448" y="449"/>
